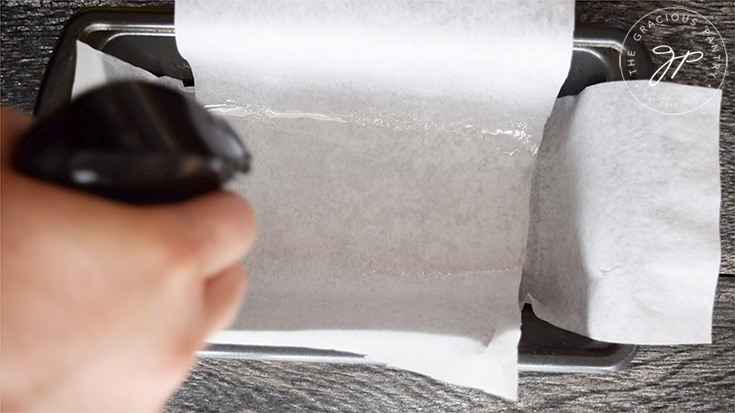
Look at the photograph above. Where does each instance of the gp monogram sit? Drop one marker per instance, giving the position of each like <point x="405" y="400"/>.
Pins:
<point x="700" y="59"/>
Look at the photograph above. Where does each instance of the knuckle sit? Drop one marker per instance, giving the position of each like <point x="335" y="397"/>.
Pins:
<point x="176" y="252"/>
<point x="237" y="219"/>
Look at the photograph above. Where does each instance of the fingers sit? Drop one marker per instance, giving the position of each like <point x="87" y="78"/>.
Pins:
<point x="222" y="295"/>
<point x="213" y="234"/>
<point x="209" y="232"/>
<point x="217" y="229"/>
<point x="193" y="239"/>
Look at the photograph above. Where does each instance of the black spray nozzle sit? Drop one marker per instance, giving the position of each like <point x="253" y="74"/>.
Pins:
<point x="134" y="142"/>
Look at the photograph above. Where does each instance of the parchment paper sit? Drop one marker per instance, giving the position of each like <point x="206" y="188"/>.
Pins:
<point x="624" y="242"/>
<point x="94" y="69"/>
<point x="393" y="144"/>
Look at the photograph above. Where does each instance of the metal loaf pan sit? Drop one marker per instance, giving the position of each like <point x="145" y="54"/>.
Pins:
<point x="145" y="38"/>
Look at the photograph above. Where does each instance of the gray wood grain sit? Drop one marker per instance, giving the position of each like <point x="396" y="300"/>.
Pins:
<point x="675" y="378"/>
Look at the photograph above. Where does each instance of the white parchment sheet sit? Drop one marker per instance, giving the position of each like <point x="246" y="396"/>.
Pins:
<point x="393" y="145"/>
<point x="624" y="244"/>
<point x="93" y="69"/>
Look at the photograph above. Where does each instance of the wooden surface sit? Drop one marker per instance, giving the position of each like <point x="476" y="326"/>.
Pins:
<point x="676" y="378"/>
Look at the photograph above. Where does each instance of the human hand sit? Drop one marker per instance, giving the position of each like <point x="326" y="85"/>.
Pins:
<point x="104" y="304"/>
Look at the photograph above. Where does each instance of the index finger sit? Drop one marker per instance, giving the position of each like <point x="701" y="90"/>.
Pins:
<point x="217" y="229"/>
